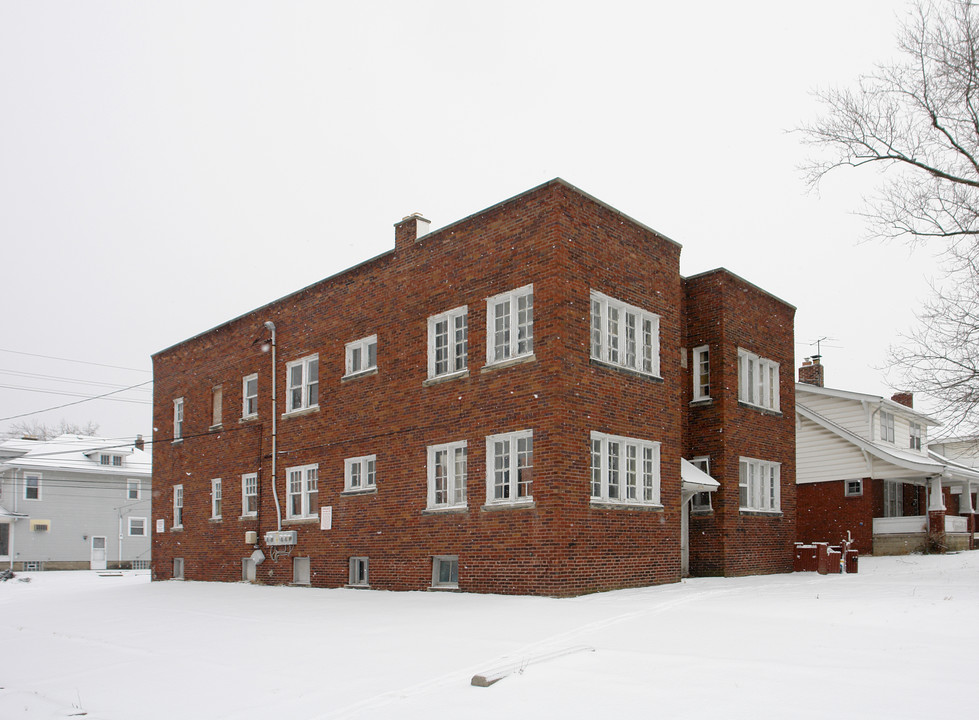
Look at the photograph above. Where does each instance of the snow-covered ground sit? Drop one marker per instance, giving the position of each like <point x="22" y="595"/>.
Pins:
<point x="897" y="640"/>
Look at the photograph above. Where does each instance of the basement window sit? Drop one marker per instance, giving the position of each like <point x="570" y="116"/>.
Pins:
<point x="445" y="571"/>
<point x="359" y="572"/>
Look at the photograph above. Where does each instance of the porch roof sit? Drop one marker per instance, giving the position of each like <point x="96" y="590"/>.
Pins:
<point x="694" y="480"/>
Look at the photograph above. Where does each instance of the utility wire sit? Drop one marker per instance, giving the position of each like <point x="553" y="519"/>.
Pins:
<point x="77" y="402"/>
<point x="81" y="362"/>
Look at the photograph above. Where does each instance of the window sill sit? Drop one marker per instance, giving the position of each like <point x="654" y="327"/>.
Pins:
<point x="445" y="378"/>
<point x="357" y="587"/>
<point x="213" y="428"/>
<point x="177" y="528"/>
<point x="177" y="441"/>
<point x="605" y="505"/>
<point x="445" y="588"/>
<point x="300" y="520"/>
<point x="509" y="362"/>
<point x="365" y="491"/>
<point x="626" y="370"/>
<point x="248" y="418"/>
<point x="300" y="412"/>
<point x="360" y="374"/>
<point x="454" y="509"/>
<point x="215" y="519"/>
<point x="759" y="408"/>
<point x="702" y="402"/>
<point x="701" y="513"/>
<point x="518" y="505"/>
<point x="748" y="512"/>
<point x="248" y="517"/>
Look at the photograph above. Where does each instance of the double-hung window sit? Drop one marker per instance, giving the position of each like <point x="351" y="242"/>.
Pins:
<point x="361" y="355"/>
<point x="758" y="482"/>
<point x="178" y="506"/>
<point x="510" y="468"/>
<point x="360" y="473"/>
<point x="178" y="419"/>
<point x="624" y="470"/>
<point x="132" y="489"/>
<point x="700" y="370"/>
<point x="303" y="491"/>
<point x="302" y="389"/>
<point x="758" y="382"/>
<point x="447" y="470"/>
<point x="893" y="499"/>
<point x="216" y="499"/>
<point x="448" y="342"/>
<point x="249" y="494"/>
<point x="249" y="396"/>
<point x="886" y="426"/>
<point x="510" y="325"/>
<point x="915" y="431"/>
<point x="32" y="487"/>
<point x="137" y="527"/>
<point x="624" y="335"/>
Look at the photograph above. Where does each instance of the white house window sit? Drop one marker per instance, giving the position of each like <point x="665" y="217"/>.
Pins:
<point x="249" y="396"/>
<point x="132" y="489"/>
<point x="359" y="473"/>
<point x="758" y="382"/>
<point x="887" y="427"/>
<point x="105" y="459"/>
<point x="137" y="527"/>
<point x="510" y="325"/>
<point x="178" y="506"/>
<point x="624" y="335"/>
<point x="854" y="488"/>
<point x="447" y="471"/>
<point x="916" y="434"/>
<point x="217" y="405"/>
<point x="117" y="460"/>
<point x="759" y="485"/>
<point x="303" y="491"/>
<point x="178" y="419"/>
<point x="445" y="571"/>
<point x="448" y="342"/>
<point x="701" y="373"/>
<point x="249" y="494"/>
<point x="510" y="467"/>
<point x="361" y="355"/>
<point x="893" y="499"/>
<point x="303" y="384"/>
<point x="701" y="502"/>
<point x="216" y="499"/>
<point x="32" y="487"/>
<point x="359" y="572"/>
<point x="624" y="470"/>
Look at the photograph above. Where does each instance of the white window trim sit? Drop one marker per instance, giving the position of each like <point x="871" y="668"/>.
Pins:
<point x="245" y="396"/>
<point x="745" y="481"/>
<point x="916" y="432"/>
<point x="307" y="473"/>
<point x="702" y="462"/>
<point x="437" y="561"/>
<point x="512" y="469"/>
<point x="216" y="499"/>
<point x="748" y="391"/>
<point x="886" y="425"/>
<point x="513" y="344"/>
<point x="601" y="349"/>
<point x="304" y="385"/>
<point x="130" y="483"/>
<point x="363" y="345"/>
<point x="178" y="503"/>
<point x="452" y="481"/>
<point x="846" y="488"/>
<point x="367" y="480"/>
<point x="145" y="532"/>
<point x="458" y="362"/>
<point x="699" y="355"/>
<point x="355" y="582"/>
<point x="36" y="476"/>
<point x="178" y="419"/>
<point x="616" y="493"/>
<point x="245" y="512"/>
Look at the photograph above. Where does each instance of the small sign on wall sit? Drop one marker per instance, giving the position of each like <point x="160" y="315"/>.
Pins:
<point x="326" y="518"/>
<point x="159" y="525"/>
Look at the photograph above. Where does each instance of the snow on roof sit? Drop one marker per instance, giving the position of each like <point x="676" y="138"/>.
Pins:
<point x="76" y="453"/>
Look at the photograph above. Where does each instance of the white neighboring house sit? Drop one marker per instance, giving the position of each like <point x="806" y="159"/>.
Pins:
<point x="74" y="502"/>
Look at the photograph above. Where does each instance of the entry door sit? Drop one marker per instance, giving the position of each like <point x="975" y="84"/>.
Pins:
<point x="98" y="553"/>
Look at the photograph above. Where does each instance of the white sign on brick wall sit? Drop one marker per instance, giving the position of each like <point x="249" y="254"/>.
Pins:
<point x="326" y="518"/>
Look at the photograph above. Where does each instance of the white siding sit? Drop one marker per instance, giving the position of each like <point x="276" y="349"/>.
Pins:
<point x="822" y="456"/>
<point x="849" y="414"/>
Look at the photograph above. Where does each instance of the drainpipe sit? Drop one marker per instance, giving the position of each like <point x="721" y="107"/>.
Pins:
<point x="275" y="493"/>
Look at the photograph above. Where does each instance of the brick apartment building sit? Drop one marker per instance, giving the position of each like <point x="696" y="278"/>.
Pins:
<point x="500" y="405"/>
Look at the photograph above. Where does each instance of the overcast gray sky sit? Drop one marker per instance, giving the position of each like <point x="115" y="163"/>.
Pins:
<point x="166" y="166"/>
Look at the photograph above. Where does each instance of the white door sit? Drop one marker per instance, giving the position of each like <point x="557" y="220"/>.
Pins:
<point x="98" y="553"/>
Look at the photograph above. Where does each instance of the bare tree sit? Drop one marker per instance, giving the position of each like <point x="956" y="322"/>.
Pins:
<point x="42" y="431"/>
<point x="916" y="121"/>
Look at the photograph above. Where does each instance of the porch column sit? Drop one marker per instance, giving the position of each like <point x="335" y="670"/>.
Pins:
<point x="966" y="508"/>
<point x="936" y="515"/>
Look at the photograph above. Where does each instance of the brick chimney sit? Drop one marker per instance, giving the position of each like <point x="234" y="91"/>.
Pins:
<point x="904" y="398"/>
<point x="139" y="442"/>
<point x="410" y="229"/>
<point x="811" y="371"/>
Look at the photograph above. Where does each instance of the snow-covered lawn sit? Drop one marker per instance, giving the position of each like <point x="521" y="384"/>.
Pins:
<point x="897" y="640"/>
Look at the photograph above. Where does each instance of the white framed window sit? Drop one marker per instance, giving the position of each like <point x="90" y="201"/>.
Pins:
<point x="624" y="470"/>
<point x="886" y="426"/>
<point x="359" y="572"/>
<point x="447" y="473"/>
<point x="249" y="494"/>
<point x="216" y="499"/>
<point x="360" y="473"/>
<point x="105" y="459"/>
<point x="178" y="568"/>
<point x="700" y="370"/>
<point x="217" y="405"/>
<point x="361" y="355"/>
<point x="178" y="506"/>
<point x="758" y="485"/>
<point x="132" y="489"/>
<point x="32" y="487"/>
<point x="854" y="488"/>
<point x="448" y="342"/>
<point x="893" y="499"/>
<point x="758" y="381"/>
<point x="249" y="395"/>
<point x="302" y="383"/>
<point x="137" y="527"/>
<point x="701" y="502"/>
<point x="117" y="460"/>
<point x="624" y="335"/>
<point x="303" y="491"/>
<point x="178" y="419"/>
<point x="510" y="325"/>
<point x="510" y="468"/>
<point x="916" y="434"/>
<point x="445" y="571"/>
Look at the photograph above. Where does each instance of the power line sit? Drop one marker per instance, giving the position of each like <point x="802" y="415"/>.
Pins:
<point x="78" y="402"/>
<point x="73" y="394"/>
<point x="60" y="378"/>
<point x="81" y="362"/>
